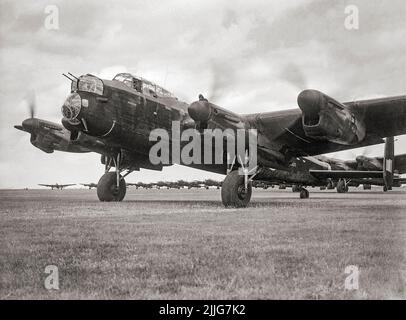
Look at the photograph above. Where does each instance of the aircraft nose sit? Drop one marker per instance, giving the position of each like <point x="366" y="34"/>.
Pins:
<point x="72" y="106"/>
<point x="30" y="124"/>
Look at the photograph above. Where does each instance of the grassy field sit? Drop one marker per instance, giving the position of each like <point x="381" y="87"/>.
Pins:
<point x="182" y="244"/>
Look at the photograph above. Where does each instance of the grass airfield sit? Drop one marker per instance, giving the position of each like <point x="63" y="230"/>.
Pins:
<point x="182" y="244"/>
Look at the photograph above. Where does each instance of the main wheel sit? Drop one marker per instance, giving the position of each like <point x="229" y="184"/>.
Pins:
<point x="107" y="188"/>
<point x="342" y="186"/>
<point x="233" y="191"/>
<point x="304" y="194"/>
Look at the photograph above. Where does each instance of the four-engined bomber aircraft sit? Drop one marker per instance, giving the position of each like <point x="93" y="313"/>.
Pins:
<point x="57" y="186"/>
<point x="340" y="174"/>
<point x="115" y="118"/>
<point x="89" y="185"/>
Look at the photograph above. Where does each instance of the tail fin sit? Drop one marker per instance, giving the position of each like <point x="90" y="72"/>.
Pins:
<point x="388" y="163"/>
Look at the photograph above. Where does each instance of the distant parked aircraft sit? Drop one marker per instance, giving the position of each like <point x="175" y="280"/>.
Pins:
<point x="56" y="185"/>
<point x="90" y="185"/>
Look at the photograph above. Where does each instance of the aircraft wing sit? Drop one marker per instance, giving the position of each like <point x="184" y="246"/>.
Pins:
<point x="337" y="174"/>
<point x="400" y="180"/>
<point x="284" y="129"/>
<point x="49" y="136"/>
<point x="379" y="181"/>
<point x="47" y="185"/>
<point x="67" y="185"/>
<point x="385" y="117"/>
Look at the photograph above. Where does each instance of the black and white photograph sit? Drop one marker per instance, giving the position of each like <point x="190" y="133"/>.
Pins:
<point x="222" y="151"/>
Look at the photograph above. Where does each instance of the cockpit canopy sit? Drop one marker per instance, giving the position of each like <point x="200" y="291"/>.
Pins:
<point x="143" y="86"/>
<point x="88" y="83"/>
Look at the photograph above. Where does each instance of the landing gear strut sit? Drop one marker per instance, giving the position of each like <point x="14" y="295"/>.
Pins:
<point x="112" y="186"/>
<point x="330" y="185"/>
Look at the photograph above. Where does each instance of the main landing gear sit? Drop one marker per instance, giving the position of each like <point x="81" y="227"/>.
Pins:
<point x="367" y="187"/>
<point x="112" y="186"/>
<point x="342" y="186"/>
<point x="107" y="189"/>
<point x="304" y="193"/>
<point x="331" y="185"/>
<point x="236" y="191"/>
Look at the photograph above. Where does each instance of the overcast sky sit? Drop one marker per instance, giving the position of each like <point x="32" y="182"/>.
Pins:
<point x="248" y="56"/>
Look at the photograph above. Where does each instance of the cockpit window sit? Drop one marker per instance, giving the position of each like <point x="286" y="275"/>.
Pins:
<point x="125" y="78"/>
<point x="143" y="86"/>
<point x="87" y="83"/>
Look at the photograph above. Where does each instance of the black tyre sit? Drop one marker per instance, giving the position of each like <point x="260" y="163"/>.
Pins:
<point x="342" y="187"/>
<point x="107" y="188"/>
<point x="233" y="191"/>
<point x="304" y="194"/>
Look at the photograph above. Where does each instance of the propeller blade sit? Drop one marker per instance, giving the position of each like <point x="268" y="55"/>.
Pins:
<point x="223" y="76"/>
<point x="30" y="98"/>
<point x="32" y="111"/>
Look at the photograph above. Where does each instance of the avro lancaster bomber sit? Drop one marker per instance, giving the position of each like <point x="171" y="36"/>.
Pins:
<point x="115" y="118"/>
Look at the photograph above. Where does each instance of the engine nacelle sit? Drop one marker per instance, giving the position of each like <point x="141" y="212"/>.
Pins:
<point x="367" y="163"/>
<point x="326" y="119"/>
<point x="208" y="115"/>
<point x="37" y="141"/>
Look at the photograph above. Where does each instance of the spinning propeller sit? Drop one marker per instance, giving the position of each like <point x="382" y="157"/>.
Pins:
<point x="32" y="124"/>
